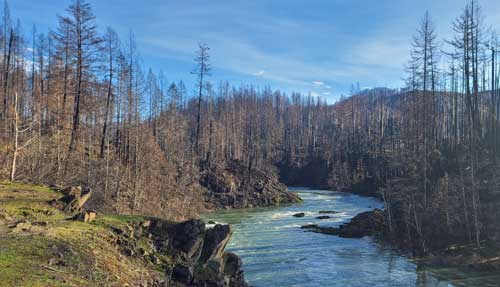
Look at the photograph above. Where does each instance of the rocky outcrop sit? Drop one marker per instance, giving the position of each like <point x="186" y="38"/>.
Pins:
<point x="320" y="173"/>
<point x="86" y="216"/>
<point x="73" y="202"/>
<point x="313" y="173"/>
<point x="364" y="224"/>
<point x="74" y="199"/>
<point x="237" y="186"/>
<point x="196" y="255"/>
<point x="188" y="252"/>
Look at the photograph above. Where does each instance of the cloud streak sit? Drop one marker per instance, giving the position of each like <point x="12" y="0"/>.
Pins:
<point x="260" y="73"/>
<point x="322" y="49"/>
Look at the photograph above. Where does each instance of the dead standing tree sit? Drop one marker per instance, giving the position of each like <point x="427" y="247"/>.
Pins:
<point x="19" y="129"/>
<point x="201" y="70"/>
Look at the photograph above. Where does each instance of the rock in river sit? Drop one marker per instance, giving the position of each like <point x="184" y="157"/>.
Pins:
<point x="327" y="212"/>
<point x="364" y="224"/>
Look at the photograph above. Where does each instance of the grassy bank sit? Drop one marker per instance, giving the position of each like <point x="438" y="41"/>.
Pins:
<point x="39" y="246"/>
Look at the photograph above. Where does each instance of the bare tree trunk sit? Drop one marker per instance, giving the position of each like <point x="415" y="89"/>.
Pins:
<point x="16" y="140"/>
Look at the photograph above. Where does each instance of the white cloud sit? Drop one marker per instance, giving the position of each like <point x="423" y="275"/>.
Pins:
<point x="327" y="94"/>
<point x="260" y="73"/>
<point x="247" y="58"/>
<point x="318" y="83"/>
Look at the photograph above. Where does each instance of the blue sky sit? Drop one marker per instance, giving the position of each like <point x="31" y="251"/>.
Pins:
<point x="316" y="46"/>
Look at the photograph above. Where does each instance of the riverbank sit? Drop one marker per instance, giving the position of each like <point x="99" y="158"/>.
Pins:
<point x="277" y="252"/>
<point x="43" y="243"/>
<point x="372" y="223"/>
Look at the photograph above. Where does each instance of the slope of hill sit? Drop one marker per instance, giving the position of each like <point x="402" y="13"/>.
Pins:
<point x="41" y="245"/>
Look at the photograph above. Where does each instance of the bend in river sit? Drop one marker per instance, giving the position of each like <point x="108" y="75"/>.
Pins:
<point x="276" y="252"/>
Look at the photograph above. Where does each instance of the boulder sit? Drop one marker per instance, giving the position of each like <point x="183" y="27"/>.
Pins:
<point x="196" y="254"/>
<point x="232" y="264"/>
<point x="75" y="198"/>
<point x="233" y="271"/>
<point x="323" y="217"/>
<point x="327" y="212"/>
<point x="188" y="237"/>
<point x="299" y="214"/>
<point x="86" y="216"/>
<point x="215" y="241"/>
<point x="321" y="229"/>
<point x="182" y="274"/>
<point x="161" y="231"/>
<point x="72" y="192"/>
<point x="215" y="265"/>
<point x="364" y="224"/>
<point x="89" y="216"/>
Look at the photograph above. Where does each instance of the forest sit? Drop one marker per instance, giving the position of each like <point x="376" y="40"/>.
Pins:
<point x="78" y="107"/>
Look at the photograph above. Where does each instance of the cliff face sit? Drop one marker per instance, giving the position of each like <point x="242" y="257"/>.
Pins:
<point x="236" y="186"/>
<point x="354" y="175"/>
<point x="42" y="244"/>
<point x="197" y="253"/>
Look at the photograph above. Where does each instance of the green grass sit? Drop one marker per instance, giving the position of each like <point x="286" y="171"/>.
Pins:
<point x="62" y="252"/>
<point x="23" y="201"/>
<point x="35" y="261"/>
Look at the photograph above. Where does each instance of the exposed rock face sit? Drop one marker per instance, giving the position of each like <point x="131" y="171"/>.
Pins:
<point x="73" y="200"/>
<point x="322" y="174"/>
<point x="235" y="186"/>
<point x="197" y="254"/>
<point x="364" y="224"/>
<point x="188" y="237"/>
<point x="313" y="173"/>
<point x="216" y="240"/>
<point x="86" y="216"/>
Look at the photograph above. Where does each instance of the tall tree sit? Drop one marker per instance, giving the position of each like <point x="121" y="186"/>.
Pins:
<point x="112" y="47"/>
<point x="84" y="42"/>
<point x="201" y="70"/>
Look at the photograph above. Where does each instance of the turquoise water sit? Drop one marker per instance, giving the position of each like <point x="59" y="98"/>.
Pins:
<point x="276" y="252"/>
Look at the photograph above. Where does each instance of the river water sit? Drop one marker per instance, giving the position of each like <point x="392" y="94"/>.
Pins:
<point x="276" y="252"/>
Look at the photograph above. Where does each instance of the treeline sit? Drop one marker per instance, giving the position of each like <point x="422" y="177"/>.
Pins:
<point x="78" y="108"/>
<point x="430" y="150"/>
<point x="440" y="139"/>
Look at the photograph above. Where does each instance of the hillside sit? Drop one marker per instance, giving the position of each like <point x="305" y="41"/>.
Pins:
<point x="40" y="245"/>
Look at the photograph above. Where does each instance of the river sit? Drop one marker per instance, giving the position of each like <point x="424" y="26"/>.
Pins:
<point x="276" y="252"/>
